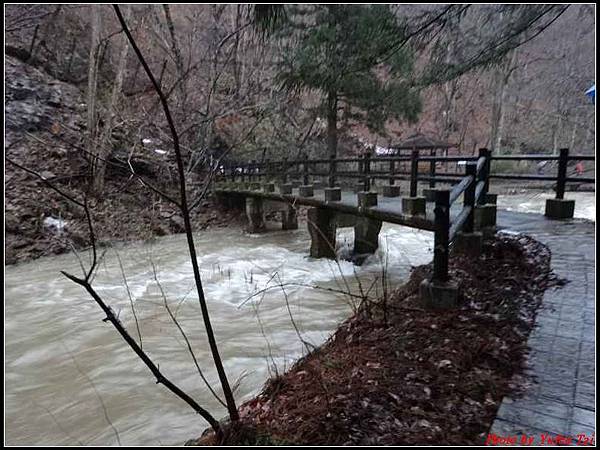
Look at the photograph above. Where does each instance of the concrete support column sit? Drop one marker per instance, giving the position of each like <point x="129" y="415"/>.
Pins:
<point x="469" y="243"/>
<point x="391" y="190"/>
<point x="230" y="200"/>
<point x="439" y="295"/>
<point x="366" y="236"/>
<point x="289" y="218"/>
<point x="485" y="218"/>
<point x="413" y="206"/>
<point x="429" y="194"/>
<point x="559" y="208"/>
<point x="307" y="190"/>
<point x="286" y="189"/>
<point x="491" y="199"/>
<point x="221" y="199"/>
<point x="322" y="228"/>
<point x="255" y="214"/>
<point x="333" y="194"/>
<point x="366" y="231"/>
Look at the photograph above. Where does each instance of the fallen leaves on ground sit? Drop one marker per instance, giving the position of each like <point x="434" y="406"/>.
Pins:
<point x="423" y="377"/>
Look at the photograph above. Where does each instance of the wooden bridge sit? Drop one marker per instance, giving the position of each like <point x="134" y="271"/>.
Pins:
<point x="283" y="186"/>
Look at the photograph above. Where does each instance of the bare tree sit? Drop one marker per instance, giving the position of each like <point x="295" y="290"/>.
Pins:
<point x="184" y="208"/>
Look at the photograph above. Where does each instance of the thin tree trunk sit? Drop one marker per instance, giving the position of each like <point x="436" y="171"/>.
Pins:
<point x="332" y="132"/>
<point x="501" y="79"/>
<point x="555" y="136"/>
<point x="92" y="121"/>
<point x="105" y="144"/>
<point x="574" y="135"/>
<point x="178" y="59"/>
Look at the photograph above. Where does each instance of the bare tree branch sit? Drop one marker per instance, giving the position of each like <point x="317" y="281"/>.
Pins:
<point x="231" y="406"/>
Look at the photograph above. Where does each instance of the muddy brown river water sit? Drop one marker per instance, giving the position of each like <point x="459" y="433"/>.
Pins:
<point x="70" y="379"/>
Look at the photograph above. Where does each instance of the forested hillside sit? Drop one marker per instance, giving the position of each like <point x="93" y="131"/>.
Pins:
<point x="80" y="108"/>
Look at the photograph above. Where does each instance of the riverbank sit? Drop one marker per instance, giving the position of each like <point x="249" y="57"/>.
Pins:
<point x="396" y="374"/>
<point x="45" y="126"/>
<point x="39" y="223"/>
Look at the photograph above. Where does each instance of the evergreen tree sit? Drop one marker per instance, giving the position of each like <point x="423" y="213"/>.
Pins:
<point x="337" y="51"/>
<point x="361" y="58"/>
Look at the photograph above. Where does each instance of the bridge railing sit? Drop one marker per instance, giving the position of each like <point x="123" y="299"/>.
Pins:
<point x="365" y="169"/>
<point x="561" y="178"/>
<point x="473" y="188"/>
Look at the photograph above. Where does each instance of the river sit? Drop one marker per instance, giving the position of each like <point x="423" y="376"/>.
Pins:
<point x="66" y="370"/>
<point x="70" y="379"/>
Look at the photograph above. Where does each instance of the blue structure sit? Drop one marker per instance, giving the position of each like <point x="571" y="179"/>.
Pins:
<point x="591" y="93"/>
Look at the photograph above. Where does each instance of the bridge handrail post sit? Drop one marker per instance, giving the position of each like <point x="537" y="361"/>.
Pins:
<point x="484" y="174"/>
<point x="561" y="178"/>
<point x="469" y="197"/>
<point x="367" y="171"/>
<point x="284" y="169"/>
<point x="360" y="163"/>
<point x="392" y="180"/>
<point x="432" y="169"/>
<point x="332" y="169"/>
<point x="233" y="169"/>
<point x="305" y="168"/>
<point x="414" y="172"/>
<point x="441" y="235"/>
<point x="268" y="170"/>
<point x="253" y="170"/>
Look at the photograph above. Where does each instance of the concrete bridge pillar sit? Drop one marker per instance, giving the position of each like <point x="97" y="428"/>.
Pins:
<point x="366" y="231"/>
<point x="391" y="190"/>
<point x="230" y="201"/>
<point x="307" y="190"/>
<point x="322" y="229"/>
<point x="469" y="244"/>
<point x="366" y="235"/>
<point x="289" y="218"/>
<point x="559" y="208"/>
<point x="485" y="219"/>
<point x="286" y="189"/>
<point x="255" y="214"/>
<point x="429" y="195"/>
<point x="413" y="206"/>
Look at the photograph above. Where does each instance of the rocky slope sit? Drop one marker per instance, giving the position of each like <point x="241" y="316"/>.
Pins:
<point x="45" y="126"/>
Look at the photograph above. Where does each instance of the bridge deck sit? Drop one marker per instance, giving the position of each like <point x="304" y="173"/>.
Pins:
<point x="388" y="209"/>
